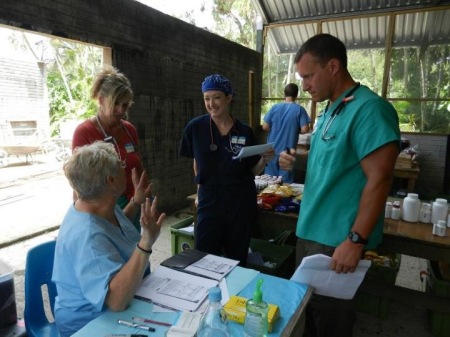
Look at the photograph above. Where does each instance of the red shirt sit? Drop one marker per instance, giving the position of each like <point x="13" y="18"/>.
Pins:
<point x="87" y="133"/>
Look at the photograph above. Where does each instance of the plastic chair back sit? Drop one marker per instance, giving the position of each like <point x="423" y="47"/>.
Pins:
<point x="38" y="272"/>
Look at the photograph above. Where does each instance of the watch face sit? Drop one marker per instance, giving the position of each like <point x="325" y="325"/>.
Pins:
<point x="355" y="238"/>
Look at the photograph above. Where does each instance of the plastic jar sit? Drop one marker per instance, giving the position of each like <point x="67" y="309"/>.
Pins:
<point x="439" y="210"/>
<point x="425" y="213"/>
<point x="395" y="213"/>
<point x="388" y="210"/>
<point x="411" y="207"/>
<point x="440" y="228"/>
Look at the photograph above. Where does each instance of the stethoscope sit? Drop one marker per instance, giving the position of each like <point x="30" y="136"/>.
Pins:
<point x="337" y="111"/>
<point x="213" y="146"/>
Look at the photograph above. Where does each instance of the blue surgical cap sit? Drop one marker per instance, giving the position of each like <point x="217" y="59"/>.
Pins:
<point x="217" y="82"/>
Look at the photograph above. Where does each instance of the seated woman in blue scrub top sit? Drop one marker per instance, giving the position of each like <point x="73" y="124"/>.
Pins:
<point x="226" y="192"/>
<point x="100" y="258"/>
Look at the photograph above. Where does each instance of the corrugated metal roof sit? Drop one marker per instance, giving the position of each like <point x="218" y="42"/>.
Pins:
<point x="359" y="23"/>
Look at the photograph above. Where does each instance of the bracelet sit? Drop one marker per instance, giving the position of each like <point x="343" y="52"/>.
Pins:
<point x="135" y="203"/>
<point x="142" y="250"/>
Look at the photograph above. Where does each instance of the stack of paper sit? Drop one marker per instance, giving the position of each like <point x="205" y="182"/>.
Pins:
<point x="174" y="289"/>
<point x="202" y="264"/>
<point x="315" y="271"/>
<point x="182" y="281"/>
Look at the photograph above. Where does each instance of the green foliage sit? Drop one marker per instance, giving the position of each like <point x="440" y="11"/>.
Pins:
<point x="236" y="21"/>
<point x="69" y="81"/>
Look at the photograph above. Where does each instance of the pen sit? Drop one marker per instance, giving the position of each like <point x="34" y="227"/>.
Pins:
<point x="125" y="335"/>
<point x="135" y="325"/>
<point x="147" y="320"/>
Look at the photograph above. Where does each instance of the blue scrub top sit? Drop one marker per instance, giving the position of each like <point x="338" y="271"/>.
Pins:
<point x="89" y="252"/>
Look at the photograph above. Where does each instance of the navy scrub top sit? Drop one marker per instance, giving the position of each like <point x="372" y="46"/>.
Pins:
<point x="217" y="167"/>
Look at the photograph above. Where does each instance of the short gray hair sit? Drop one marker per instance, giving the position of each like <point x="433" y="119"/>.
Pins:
<point x="89" y="167"/>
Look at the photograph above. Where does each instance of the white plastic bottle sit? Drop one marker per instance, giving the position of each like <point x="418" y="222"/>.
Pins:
<point x="439" y="210"/>
<point x="256" y="323"/>
<point x="214" y="322"/>
<point x="425" y="213"/>
<point x="411" y="207"/>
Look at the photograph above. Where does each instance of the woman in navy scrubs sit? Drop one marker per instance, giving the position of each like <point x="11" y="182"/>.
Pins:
<point x="226" y="193"/>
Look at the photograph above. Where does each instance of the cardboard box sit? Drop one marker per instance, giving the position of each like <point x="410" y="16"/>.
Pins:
<point x="404" y="160"/>
<point x="235" y="310"/>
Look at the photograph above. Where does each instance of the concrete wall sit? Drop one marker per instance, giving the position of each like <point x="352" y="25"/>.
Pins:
<point x="166" y="60"/>
<point x="433" y="152"/>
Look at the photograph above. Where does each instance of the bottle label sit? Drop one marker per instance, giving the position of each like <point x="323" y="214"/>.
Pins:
<point x="254" y="325"/>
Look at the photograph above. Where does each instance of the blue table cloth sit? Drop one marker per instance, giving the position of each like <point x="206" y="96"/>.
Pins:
<point x="241" y="281"/>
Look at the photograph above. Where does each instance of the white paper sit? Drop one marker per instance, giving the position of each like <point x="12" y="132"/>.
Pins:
<point x="212" y="266"/>
<point x="224" y="289"/>
<point x="187" y="325"/>
<point x="188" y="230"/>
<point x="248" y="151"/>
<point x="174" y="289"/>
<point x="315" y="271"/>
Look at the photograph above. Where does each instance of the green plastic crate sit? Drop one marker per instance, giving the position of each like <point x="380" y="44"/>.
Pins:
<point x="439" y="322"/>
<point x="373" y="304"/>
<point x="282" y="257"/>
<point x="181" y="241"/>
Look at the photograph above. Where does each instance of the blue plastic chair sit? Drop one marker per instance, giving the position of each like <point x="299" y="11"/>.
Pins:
<point x="38" y="272"/>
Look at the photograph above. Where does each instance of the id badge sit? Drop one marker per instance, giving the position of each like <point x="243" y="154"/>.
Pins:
<point x="129" y="147"/>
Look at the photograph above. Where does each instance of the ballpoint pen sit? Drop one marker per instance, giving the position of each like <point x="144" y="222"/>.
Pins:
<point x="148" y="320"/>
<point x="135" y="325"/>
<point x="125" y="335"/>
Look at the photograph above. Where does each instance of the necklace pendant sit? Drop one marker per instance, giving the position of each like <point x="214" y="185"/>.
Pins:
<point x="213" y="147"/>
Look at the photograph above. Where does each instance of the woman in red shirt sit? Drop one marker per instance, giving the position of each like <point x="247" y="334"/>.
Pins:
<point x="114" y="96"/>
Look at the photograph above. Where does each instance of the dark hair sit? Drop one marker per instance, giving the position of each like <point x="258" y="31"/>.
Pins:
<point x="324" y="47"/>
<point x="291" y="90"/>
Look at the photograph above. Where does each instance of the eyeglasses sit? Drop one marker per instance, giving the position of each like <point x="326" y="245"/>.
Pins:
<point x="336" y="112"/>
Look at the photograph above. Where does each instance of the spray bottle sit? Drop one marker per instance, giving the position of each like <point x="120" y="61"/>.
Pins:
<point x="256" y="323"/>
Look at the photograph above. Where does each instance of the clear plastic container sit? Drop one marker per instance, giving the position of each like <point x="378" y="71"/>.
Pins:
<point x="214" y="322"/>
<point x="256" y="323"/>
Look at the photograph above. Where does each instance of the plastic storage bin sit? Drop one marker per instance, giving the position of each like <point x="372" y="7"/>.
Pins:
<point x="8" y="311"/>
<point x="181" y="240"/>
<point x="373" y="304"/>
<point x="280" y="258"/>
<point x="439" y="322"/>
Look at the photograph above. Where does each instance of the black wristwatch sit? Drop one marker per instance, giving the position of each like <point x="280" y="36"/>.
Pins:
<point x="356" y="238"/>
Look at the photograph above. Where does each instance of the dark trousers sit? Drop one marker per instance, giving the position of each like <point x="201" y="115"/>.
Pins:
<point x="325" y="316"/>
<point x="225" y="219"/>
